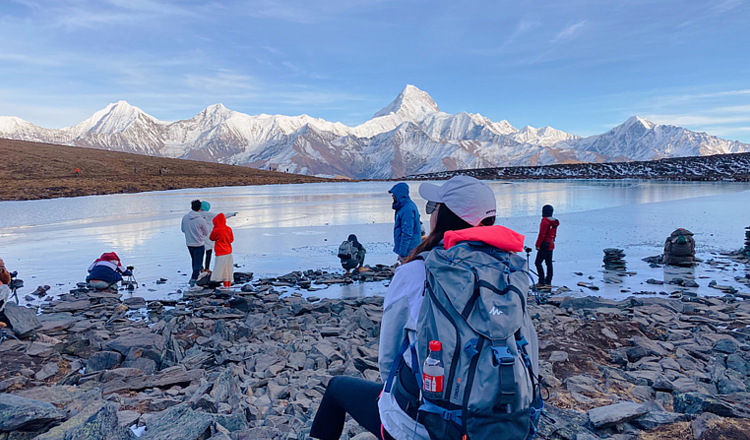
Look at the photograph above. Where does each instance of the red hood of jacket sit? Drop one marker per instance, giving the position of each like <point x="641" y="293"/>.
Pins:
<point x="498" y="236"/>
<point x="222" y="235"/>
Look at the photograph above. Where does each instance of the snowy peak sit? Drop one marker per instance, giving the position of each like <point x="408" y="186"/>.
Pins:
<point x="114" y="118"/>
<point x="638" y="122"/>
<point x="411" y="103"/>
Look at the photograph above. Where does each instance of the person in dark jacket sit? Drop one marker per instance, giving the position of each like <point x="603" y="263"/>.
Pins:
<point x="407" y="231"/>
<point x="358" y="259"/>
<point x="106" y="272"/>
<point x="545" y="243"/>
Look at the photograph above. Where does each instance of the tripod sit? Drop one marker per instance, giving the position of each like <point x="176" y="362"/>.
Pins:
<point x="14" y="285"/>
<point x="129" y="281"/>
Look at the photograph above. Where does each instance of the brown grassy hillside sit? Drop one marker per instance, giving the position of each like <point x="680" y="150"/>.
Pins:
<point x="30" y="171"/>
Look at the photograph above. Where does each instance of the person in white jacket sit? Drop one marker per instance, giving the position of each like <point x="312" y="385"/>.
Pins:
<point x="196" y="231"/>
<point x="462" y="202"/>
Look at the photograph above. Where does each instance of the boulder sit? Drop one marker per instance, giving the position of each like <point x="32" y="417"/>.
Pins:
<point x="21" y="414"/>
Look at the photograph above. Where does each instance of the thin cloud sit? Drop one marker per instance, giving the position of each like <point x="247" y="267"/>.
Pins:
<point x="569" y="32"/>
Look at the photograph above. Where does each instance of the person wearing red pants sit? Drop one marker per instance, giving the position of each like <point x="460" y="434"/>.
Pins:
<point x="223" y="237"/>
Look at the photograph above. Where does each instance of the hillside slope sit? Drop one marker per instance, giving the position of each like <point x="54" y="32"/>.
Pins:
<point x="32" y="170"/>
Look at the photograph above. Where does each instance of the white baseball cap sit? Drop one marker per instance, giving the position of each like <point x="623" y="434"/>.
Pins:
<point x="470" y="199"/>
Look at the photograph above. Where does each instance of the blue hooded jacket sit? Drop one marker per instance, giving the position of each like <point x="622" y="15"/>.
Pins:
<point x="407" y="231"/>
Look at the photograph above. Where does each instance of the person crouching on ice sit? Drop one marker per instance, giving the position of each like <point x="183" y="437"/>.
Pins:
<point x="545" y="243"/>
<point x="222" y="237"/>
<point x="106" y="272"/>
<point x="352" y="254"/>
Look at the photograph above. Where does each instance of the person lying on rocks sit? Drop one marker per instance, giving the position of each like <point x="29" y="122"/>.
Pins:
<point x="106" y="272"/>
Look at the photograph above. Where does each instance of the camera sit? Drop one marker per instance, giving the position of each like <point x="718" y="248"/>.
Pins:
<point x="130" y="268"/>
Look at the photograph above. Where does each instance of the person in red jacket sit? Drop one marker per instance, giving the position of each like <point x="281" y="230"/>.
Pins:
<point x="545" y="243"/>
<point x="222" y="237"/>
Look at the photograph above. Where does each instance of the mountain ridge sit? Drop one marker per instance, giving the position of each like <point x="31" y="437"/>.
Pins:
<point x="408" y="136"/>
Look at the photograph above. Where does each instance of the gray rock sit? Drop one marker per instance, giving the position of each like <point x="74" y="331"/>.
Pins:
<point x="658" y="418"/>
<point x="10" y="382"/>
<point x="611" y="415"/>
<point x="697" y="403"/>
<point x="558" y="356"/>
<point x="179" y="422"/>
<point x="98" y="421"/>
<point x="47" y="371"/>
<point x="146" y="365"/>
<point x="56" y="322"/>
<point x="738" y="364"/>
<point x="103" y="360"/>
<point x="226" y="386"/>
<point x="56" y="394"/>
<point x="127" y="418"/>
<point x="729" y="385"/>
<point x="662" y="384"/>
<point x="568" y="424"/>
<point x="700" y="424"/>
<point x="142" y="340"/>
<point x="581" y="384"/>
<point x="23" y="321"/>
<point x="22" y="414"/>
<point x="726" y="345"/>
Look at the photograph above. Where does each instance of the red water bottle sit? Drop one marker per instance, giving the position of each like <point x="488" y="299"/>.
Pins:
<point x="433" y="372"/>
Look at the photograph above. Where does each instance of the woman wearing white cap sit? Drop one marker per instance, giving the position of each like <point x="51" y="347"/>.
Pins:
<point x="460" y="205"/>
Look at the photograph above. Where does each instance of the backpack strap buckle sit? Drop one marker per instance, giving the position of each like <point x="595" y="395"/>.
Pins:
<point x="503" y="356"/>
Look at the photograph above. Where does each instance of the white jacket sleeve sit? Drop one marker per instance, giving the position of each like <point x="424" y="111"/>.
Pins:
<point x="400" y="312"/>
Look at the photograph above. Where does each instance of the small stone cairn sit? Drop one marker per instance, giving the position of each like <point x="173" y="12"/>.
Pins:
<point x="614" y="259"/>
<point x="746" y="249"/>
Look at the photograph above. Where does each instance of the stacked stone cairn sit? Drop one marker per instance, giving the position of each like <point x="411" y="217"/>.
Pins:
<point x="746" y="249"/>
<point x="614" y="259"/>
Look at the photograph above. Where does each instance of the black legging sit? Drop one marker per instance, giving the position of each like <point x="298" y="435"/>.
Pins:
<point x="546" y="256"/>
<point x="208" y="258"/>
<point x="357" y="397"/>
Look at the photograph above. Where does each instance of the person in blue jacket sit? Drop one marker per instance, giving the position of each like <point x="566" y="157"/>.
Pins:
<point x="407" y="231"/>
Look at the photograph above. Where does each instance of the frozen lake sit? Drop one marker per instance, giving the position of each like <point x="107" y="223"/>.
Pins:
<point x="281" y="228"/>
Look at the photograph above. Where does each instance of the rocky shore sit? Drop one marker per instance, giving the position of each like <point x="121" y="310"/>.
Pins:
<point x="250" y="364"/>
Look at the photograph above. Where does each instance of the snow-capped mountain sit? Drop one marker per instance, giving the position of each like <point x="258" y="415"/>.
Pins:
<point x="409" y="136"/>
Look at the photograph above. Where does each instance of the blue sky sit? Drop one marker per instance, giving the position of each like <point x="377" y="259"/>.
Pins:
<point x="579" y="66"/>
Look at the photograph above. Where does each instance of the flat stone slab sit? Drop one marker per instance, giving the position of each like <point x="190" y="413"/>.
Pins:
<point x="56" y="394"/>
<point x="21" y="414"/>
<point x="22" y="320"/>
<point x="172" y="376"/>
<point x="56" y="322"/>
<point x="611" y="415"/>
<point x="141" y="339"/>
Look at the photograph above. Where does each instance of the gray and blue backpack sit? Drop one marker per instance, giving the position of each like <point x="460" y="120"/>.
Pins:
<point x="475" y="305"/>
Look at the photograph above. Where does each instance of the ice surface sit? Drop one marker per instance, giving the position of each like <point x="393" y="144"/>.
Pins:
<point x="281" y="228"/>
